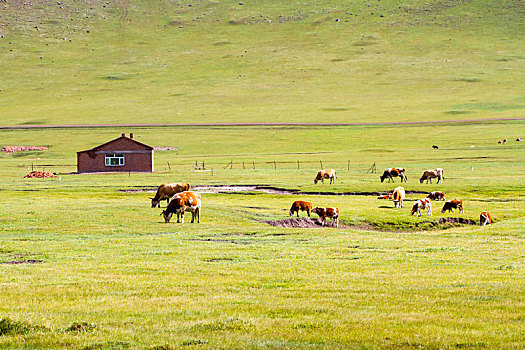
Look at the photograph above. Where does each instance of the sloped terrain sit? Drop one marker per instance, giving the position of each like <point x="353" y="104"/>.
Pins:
<point x="108" y="62"/>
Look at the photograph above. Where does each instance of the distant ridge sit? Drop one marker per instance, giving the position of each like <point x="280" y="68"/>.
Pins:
<point x="72" y="126"/>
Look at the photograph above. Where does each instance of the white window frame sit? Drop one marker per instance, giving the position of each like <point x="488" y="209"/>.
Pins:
<point x="111" y="157"/>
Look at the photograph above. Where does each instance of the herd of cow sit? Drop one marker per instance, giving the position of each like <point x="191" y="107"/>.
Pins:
<point x="180" y="199"/>
<point x="398" y="195"/>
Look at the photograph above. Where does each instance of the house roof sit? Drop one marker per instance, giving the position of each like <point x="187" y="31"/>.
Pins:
<point x="123" y="137"/>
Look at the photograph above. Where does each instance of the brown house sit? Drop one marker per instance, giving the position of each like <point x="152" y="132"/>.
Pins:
<point x="121" y="154"/>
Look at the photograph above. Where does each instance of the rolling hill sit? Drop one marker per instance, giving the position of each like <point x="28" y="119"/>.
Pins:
<point x="108" y="62"/>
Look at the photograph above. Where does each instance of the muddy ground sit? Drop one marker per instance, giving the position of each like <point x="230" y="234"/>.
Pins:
<point x="247" y="189"/>
<point x="441" y="223"/>
<point x="26" y="261"/>
<point x="302" y="223"/>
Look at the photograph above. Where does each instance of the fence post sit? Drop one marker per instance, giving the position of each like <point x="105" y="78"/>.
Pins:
<point x="275" y="165"/>
<point x="169" y="166"/>
<point x="297" y="164"/>
<point x="253" y="164"/>
<point x="348" y="168"/>
<point x="243" y="165"/>
<point x="321" y="164"/>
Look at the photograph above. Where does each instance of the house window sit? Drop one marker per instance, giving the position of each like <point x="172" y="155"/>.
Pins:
<point x="114" y="159"/>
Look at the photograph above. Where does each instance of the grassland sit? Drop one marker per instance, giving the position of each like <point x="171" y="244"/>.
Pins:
<point x="85" y="263"/>
<point x="88" y="266"/>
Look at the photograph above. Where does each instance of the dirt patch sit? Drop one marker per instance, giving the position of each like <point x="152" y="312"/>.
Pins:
<point x="216" y="240"/>
<point x="27" y="261"/>
<point x="250" y="189"/>
<point x="457" y="221"/>
<point x="39" y="174"/>
<point x="442" y="223"/>
<point x="301" y="223"/>
<point x="13" y="149"/>
<point x="159" y="148"/>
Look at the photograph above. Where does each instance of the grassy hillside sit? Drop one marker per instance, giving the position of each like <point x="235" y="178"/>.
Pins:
<point x="81" y="62"/>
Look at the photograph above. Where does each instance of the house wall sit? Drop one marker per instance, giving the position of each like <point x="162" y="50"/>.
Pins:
<point x="137" y="158"/>
<point x="142" y="162"/>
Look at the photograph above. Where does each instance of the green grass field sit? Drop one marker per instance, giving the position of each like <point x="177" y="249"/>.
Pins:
<point x="85" y="263"/>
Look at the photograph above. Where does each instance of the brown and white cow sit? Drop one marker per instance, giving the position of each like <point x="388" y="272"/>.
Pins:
<point x="504" y="141"/>
<point x="390" y="173"/>
<point x="181" y="202"/>
<point x="300" y="206"/>
<point x="166" y="191"/>
<point x="326" y="174"/>
<point x="437" y="196"/>
<point x="453" y="204"/>
<point x="485" y="218"/>
<point x="386" y="196"/>
<point x="398" y="197"/>
<point x="421" y="204"/>
<point x="431" y="174"/>
<point x="324" y="213"/>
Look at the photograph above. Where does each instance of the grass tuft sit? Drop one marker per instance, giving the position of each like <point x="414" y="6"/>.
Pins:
<point x="162" y="347"/>
<point x="194" y="342"/>
<point x="10" y="327"/>
<point x="108" y="346"/>
<point x="229" y="324"/>
<point x="80" y="327"/>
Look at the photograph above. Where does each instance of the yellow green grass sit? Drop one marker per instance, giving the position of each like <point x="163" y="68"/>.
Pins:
<point x="86" y="265"/>
<point x="107" y="264"/>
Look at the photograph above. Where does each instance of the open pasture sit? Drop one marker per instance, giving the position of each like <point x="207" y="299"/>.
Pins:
<point x="87" y="264"/>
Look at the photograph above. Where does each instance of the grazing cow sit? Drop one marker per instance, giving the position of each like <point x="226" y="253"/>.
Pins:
<point x="485" y="218"/>
<point x="326" y="174"/>
<point x="386" y="196"/>
<point x="519" y="139"/>
<point x="436" y="196"/>
<point x="435" y="147"/>
<point x="390" y="173"/>
<point x="420" y="204"/>
<point x="453" y="204"/>
<point x="166" y="191"/>
<point x="324" y="213"/>
<point x="398" y="197"/>
<point x="504" y="141"/>
<point x="432" y="173"/>
<point x="300" y="206"/>
<point x="184" y="201"/>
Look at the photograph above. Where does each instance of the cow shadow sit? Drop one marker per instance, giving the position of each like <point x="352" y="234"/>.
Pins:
<point x="385" y="207"/>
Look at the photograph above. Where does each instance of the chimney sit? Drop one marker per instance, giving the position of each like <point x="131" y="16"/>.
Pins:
<point x="131" y="135"/>
<point x="123" y="135"/>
